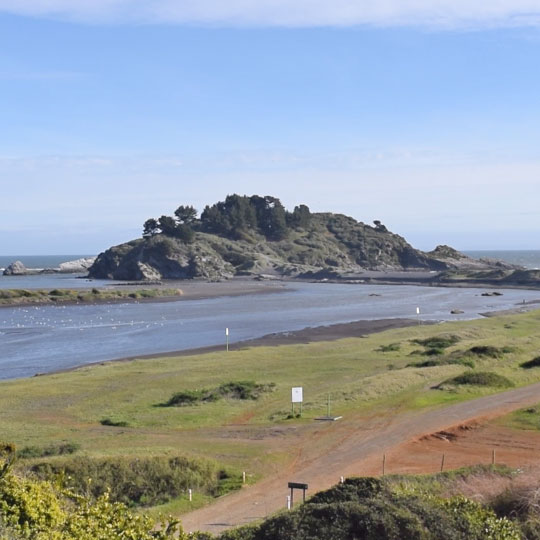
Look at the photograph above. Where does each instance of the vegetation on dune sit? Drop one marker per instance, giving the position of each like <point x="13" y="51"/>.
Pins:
<point x="141" y="481"/>
<point x="231" y="390"/>
<point x="33" y="509"/>
<point x="479" y="378"/>
<point x="529" y="364"/>
<point x="384" y="509"/>
<point x="44" y="506"/>
<point x="30" y="452"/>
<point x="446" y="361"/>
<point x="438" y="342"/>
<point x="488" y="351"/>
<point x="56" y="296"/>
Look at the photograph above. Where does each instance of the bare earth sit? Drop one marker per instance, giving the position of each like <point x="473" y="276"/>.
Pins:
<point x="322" y="452"/>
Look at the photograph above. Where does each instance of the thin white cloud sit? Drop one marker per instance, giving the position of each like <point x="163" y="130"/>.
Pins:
<point x="289" y="13"/>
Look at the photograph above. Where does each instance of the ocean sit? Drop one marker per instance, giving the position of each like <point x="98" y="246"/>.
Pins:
<point x="529" y="258"/>
<point x="38" y="261"/>
<point x="48" y="338"/>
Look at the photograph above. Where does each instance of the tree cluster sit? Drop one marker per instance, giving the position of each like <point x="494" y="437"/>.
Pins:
<point x="234" y="217"/>
<point x="180" y="226"/>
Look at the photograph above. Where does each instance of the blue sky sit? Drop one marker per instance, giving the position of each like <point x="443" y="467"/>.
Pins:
<point x="426" y="117"/>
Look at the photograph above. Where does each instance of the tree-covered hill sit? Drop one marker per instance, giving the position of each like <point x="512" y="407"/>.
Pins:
<point x="249" y="235"/>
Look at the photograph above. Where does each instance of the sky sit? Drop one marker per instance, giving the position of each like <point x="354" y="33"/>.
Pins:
<point x="424" y="114"/>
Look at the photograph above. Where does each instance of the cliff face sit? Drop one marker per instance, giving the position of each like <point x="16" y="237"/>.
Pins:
<point x="331" y="243"/>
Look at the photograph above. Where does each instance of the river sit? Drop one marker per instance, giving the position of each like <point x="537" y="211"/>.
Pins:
<point x="50" y="338"/>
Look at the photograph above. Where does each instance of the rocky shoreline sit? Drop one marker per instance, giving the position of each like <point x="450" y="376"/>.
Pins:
<point x="17" y="268"/>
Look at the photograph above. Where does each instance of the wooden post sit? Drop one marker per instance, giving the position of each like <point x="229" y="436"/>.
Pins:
<point x="383" y="463"/>
<point x="442" y="462"/>
<point x="493" y="457"/>
<point x="243" y="477"/>
<point x="190" y="495"/>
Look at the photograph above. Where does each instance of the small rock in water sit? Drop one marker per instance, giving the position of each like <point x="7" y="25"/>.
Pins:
<point x="16" y="269"/>
<point x="457" y="311"/>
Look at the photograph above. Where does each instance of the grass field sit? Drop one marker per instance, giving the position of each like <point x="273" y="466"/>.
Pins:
<point x="362" y="375"/>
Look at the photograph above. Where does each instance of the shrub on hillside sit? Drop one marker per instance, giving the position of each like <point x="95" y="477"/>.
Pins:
<point x="535" y="362"/>
<point x="480" y="378"/>
<point x="232" y="390"/>
<point x="45" y="451"/>
<point x="134" y="482"/>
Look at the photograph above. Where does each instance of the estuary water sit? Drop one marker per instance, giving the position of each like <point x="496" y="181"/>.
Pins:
<point x="49" y="338"/>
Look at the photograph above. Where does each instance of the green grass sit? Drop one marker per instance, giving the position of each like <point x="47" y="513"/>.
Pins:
<point x="70" y="406"/>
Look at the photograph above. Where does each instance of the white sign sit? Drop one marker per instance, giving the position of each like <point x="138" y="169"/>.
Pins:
<point x="297" y="394"/>
<point x="418" y="311"/>
<point x="226" y="331"/>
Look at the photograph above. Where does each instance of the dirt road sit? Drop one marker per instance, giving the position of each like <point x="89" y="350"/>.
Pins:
<point x="326" y="451"/>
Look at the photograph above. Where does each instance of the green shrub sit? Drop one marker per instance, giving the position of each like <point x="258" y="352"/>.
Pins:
<point x="37" y="510"/>
<point x="114" y="423"/>
<point x="438" y="342"/>
<point x="480" y="378"/>
<point x="376" y="509"/>
<point x="391" y="347"/>
<point x="231" y="390"/>
<point x="535" y="362"/>
<point x="137" y="481"/>
<point x="449" y="360"/>
<point x="488" y="351"/>
<point x="44" y="451"/>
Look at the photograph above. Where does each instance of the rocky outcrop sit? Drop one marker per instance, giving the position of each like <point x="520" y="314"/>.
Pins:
<point x="76" y="266"/>
<point x="16" y="268"/>
<point x="332" y="245"/>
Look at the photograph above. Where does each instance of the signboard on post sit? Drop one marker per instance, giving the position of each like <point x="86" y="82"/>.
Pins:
<point x="297" y="394"/>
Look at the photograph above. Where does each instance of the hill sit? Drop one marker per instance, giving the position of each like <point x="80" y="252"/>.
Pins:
<point x="257" y="235"/>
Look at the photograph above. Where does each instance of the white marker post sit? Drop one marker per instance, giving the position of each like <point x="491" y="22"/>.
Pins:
<point x="297" y="396"/>
<point x="418" y="314"/>
<point x="227" y="338"/>
<point x="288" y="502"/>
<point x="190" y="494"/>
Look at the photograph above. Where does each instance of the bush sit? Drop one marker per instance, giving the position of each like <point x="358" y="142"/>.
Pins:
<point x="114" y="423"/>
<point x="136" y="481"/>
<point x="38" y="510"/>
<point x="232" y="390"/>
<point x="391" y="347"/>
<point x="45" y="451"/>
<point x="374" y="509"/>
<point x="488" y="351"/>
<point x="438" y="342"/>
<point x="535" y="362"/>
<point x="450" y="360"/>
<point x="480" y="378"/>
